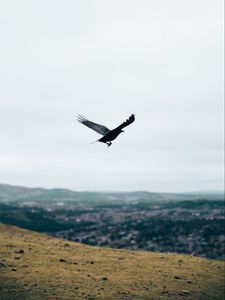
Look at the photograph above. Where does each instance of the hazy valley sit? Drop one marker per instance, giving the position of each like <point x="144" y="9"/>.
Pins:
<point x="184" y="223"/>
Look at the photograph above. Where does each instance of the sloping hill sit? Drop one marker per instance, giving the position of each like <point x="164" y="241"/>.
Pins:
<point x="36" y="266"/>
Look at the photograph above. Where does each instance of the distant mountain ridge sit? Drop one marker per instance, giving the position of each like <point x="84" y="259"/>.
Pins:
<point x="10" y="193"/>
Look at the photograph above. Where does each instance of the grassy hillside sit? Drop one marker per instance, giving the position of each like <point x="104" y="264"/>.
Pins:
<point x="35" y="266"/>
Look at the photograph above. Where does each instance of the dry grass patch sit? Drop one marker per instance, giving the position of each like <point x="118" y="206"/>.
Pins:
<point x="36" y="266"/>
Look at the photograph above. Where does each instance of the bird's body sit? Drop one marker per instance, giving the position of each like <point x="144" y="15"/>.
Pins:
<point x="108" y="135"/>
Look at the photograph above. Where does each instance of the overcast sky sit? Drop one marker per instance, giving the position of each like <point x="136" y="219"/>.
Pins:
<point x="161" y="60"/>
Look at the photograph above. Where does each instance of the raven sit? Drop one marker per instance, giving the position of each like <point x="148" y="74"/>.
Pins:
<point x="108" y="135"/>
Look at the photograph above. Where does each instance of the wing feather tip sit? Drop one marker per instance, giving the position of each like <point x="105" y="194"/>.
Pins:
<point x="81" y="118"/>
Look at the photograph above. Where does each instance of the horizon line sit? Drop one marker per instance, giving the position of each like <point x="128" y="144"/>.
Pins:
<point x="118" y="191"/>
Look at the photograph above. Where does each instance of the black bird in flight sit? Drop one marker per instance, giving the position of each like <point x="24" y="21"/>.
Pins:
<point x="108" y="135"/>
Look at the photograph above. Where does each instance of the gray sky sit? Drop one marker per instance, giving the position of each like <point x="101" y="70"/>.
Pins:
<point x="162" y="60"/>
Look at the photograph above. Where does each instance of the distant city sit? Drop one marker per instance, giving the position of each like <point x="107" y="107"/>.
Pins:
<point x="190" y="223"/>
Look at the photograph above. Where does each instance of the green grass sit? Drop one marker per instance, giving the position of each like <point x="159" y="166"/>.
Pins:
<point x="86" y="272"/>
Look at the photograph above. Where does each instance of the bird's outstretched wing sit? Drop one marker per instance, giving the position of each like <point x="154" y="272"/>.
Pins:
<point x="96" y="127"/>
<point x="127" y="122"/>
